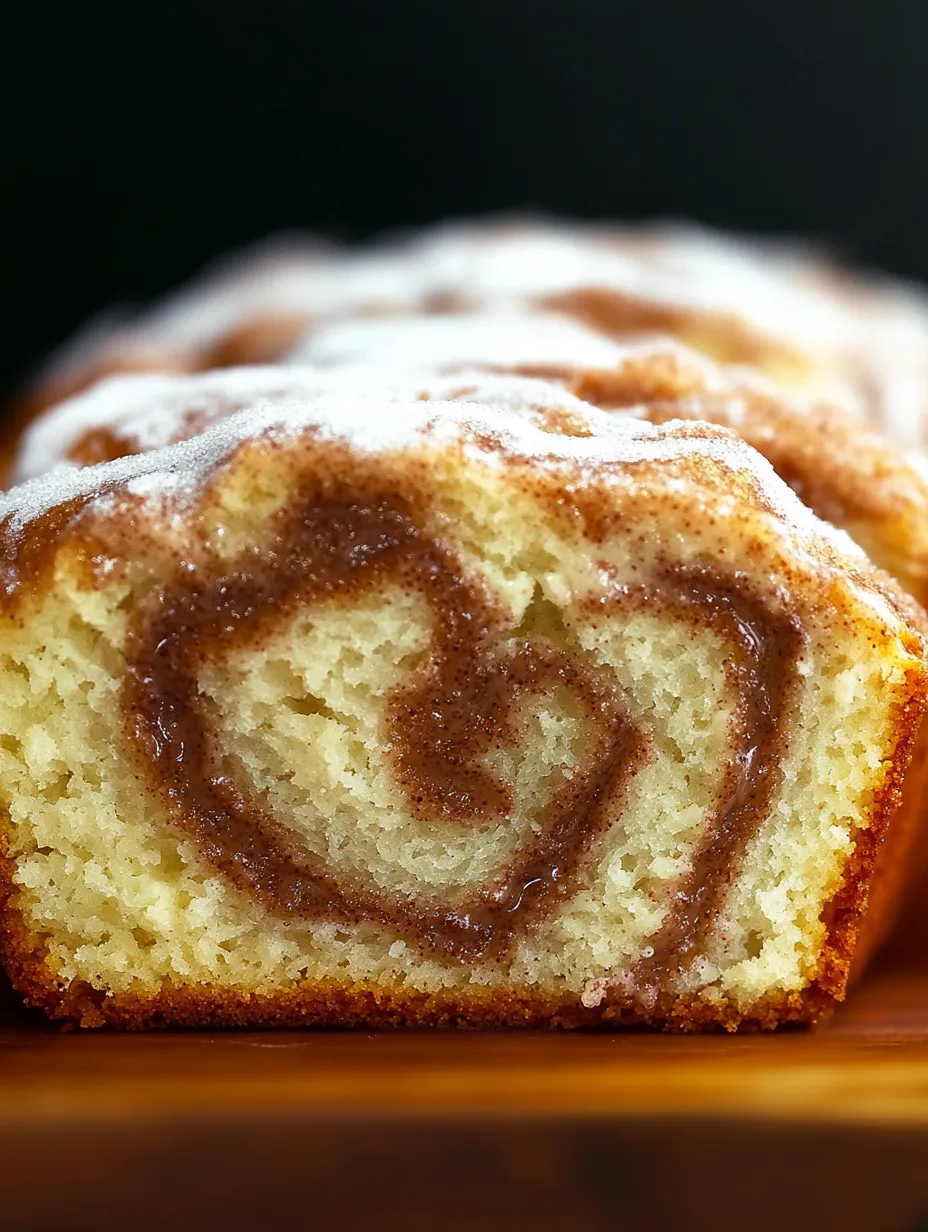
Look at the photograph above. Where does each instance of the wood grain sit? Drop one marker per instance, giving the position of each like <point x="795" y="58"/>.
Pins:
<point x="869" y="1067"/>
<point x="460" y="1131"/>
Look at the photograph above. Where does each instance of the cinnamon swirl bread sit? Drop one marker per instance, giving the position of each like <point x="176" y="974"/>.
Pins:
<point x="350" y="711"/>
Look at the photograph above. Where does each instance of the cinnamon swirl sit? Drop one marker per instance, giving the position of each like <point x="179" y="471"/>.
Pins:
<point x="353" y="710"/>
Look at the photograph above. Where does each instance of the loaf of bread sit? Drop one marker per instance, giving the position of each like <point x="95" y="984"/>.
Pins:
<point x="496" y="709"/>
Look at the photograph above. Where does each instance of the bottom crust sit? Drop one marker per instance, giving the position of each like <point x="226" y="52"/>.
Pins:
<point x="336" y="1004"/>
<point x="332" y="1004"/>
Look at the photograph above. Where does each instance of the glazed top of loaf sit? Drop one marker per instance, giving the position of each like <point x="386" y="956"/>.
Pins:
<point x="871" y="333"/>
<point x="839" y="467"/>
<point x="404" y="356"/>
<point x="788" y="291"/>
<point x="509" y="422"/>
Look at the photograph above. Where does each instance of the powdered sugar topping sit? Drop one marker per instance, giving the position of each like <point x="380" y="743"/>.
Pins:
<point x="862" y="340"/>
<point x="483" y="339"/>
<point x="401" y="357"/>
<point x="373" y="424"/>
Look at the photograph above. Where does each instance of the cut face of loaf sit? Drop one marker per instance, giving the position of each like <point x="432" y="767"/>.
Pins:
<point x="360" y="712"/>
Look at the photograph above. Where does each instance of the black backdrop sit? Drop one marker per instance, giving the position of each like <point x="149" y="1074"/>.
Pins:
<point x="143" y="138"/>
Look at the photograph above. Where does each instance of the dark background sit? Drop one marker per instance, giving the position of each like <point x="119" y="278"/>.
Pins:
<point x="141" y="139"/>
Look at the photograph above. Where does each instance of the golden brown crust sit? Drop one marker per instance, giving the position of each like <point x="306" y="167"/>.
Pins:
<point x="887" y="855"/>
<point x="259" y="340"/>
<point x="76" y="378"/>
<point x="723" y="335"/>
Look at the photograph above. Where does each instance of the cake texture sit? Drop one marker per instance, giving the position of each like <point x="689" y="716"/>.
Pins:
<point x="350" y="710"/>
<point x="810" y="323"/>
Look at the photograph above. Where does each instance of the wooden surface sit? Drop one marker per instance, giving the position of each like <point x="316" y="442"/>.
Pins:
<point x="460" y="1131"/>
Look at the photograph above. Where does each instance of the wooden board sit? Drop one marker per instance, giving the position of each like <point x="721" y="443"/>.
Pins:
<point x="460" y="1131"/>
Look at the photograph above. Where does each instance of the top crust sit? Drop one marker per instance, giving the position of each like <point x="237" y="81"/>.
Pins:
<point x="859" y="341"/>
<point x="510" y="420"/>
<point x="841" y="469"/>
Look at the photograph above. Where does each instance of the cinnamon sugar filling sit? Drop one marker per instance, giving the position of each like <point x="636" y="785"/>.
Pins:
<point x="460" y="704"/>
